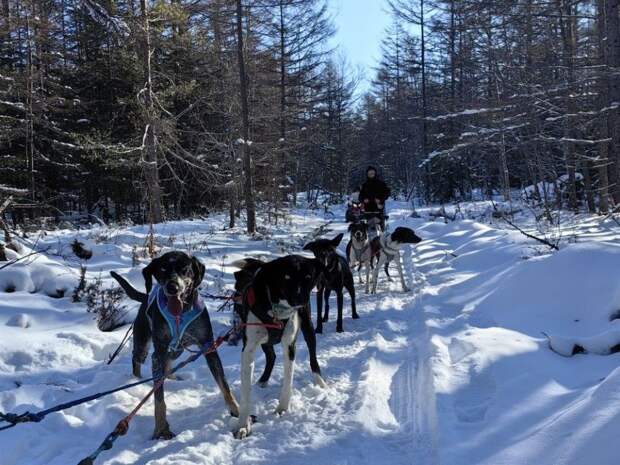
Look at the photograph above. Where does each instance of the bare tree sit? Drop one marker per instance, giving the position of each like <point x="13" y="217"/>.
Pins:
<point x="248" y="183"/>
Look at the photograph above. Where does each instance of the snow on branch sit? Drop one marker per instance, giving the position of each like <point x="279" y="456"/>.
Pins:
<point x="12" y="190"/>
<point x="558" y="140"/>
<point x="612" y="107"/>
<point x="440" y="153"/>
<point x="102" y="17"/>
<point x="468" y="112"/>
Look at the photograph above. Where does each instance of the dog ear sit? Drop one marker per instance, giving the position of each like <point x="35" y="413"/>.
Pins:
<point x="147" y="274"/>
<point x="199" y="271"/>
<point x="310" y="246"/>
<point x="336" y="240"/>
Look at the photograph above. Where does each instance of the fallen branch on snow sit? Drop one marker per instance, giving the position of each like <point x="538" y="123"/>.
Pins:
<point x="526" y="234"/>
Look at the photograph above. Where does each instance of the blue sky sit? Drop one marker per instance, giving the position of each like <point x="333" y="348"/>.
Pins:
<point x="361" y="26"/>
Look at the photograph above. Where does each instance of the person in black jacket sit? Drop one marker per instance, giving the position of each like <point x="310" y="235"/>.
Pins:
<point x="373" y="194"/>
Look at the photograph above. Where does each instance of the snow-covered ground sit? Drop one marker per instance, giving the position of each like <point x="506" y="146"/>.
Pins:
<point x="456" y="372"/>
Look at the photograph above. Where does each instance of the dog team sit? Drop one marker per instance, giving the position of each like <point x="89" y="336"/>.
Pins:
<point x="272" y="302"/>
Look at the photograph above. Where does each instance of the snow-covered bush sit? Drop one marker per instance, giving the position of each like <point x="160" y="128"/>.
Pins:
<point x="105" y="304"/>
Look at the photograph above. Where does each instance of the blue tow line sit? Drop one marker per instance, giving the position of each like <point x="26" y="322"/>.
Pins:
<point x="28" y="417"/>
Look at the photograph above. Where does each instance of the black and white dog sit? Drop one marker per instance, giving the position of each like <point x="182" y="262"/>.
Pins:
<point x="389" y="246"/>
<point x="336" y="277"/>
<point x="360" y="250"/>
<point x="279" y="293"/>
<point x="243" y="278"/>
<point x="173" y="316"/>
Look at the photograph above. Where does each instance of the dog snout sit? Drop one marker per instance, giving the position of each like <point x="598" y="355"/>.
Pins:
<point x="173" y="287"/>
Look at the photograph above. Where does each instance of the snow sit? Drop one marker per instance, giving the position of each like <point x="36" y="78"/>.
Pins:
<point x="456" y="372"/>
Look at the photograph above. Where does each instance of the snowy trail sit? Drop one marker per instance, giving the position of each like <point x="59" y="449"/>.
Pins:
<point x="378" y="407"/>
<point x="455" y="372"/>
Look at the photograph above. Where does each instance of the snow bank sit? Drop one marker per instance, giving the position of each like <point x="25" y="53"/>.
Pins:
<point x="503" y="397"/>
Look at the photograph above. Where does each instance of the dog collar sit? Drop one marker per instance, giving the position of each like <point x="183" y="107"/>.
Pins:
<point x="283" y="311"/>
<point x="177" y="324"/>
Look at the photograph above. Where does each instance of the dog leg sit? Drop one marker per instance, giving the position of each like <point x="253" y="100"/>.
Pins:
<point x="375" y="275"/>
<point x="348" y="283"/>
<point x="328" y="292"/>
<point x="400" y="272"/>
<point x="215" y="365"/>
<point x="162" y="428"/>
<point x="308" y="331"/>
<point x="270" y="360"/>
<point x="386" y="267"/>
<point x="319" y="309"/>
<point x="367" y="277"/>
<point x="288" y="349"/>
<point x="141" y="341"/>
<point x="340" y="301"/>
<point x="244" y="426"/>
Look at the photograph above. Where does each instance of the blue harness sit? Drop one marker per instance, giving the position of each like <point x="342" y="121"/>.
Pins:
<point x="177" y="326"/>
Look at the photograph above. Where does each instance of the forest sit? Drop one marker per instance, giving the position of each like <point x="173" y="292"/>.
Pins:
<point x="142" y="110"/>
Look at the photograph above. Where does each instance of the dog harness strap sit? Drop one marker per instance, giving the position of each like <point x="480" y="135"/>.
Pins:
<point x="177" y="324"/>
<point x="359" y="253"/>
<point x="386" y="248"/>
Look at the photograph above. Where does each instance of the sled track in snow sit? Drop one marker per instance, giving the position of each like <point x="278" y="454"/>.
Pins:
<point x="413" y="391"/>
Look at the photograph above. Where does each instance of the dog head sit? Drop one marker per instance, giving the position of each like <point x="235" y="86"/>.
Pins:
<point x="359" y="231"/>
<point x="289" y="278"/>
<point x="177" y="273"/>
<point x="404" y="235"/>
<point x="247" y="269"/>
<point x="324" y="249"/>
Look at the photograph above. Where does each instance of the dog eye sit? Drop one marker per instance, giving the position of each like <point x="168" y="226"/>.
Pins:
<point x="287" y="277"/>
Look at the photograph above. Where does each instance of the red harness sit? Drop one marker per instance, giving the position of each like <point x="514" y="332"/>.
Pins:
<point x="248" y="297"/>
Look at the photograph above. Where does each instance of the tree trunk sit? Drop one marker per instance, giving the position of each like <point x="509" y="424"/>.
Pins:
<point x="613" y="66"/>
<point x="248" y="183"/>
<point x="603" y="132"/>
<point x="151" y="173"/>
<point x="568" y="31"/>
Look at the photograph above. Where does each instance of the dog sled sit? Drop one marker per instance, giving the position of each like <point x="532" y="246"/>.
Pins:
<point x="356" y="213"/>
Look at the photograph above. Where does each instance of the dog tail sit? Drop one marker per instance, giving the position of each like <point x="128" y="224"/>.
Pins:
<point x="131" y="291"/>
<point x="248" y="264"/>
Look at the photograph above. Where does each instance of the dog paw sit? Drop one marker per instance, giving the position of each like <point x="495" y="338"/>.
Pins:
<point x="244" y="430"/>
<point x="241" y="433"/>
<point x="325" y="319"/>
<point x="164" y="434"/>
<point x="406" y="289"/>
<point x="280" y="410"/>
<point x="340" y="329"/>
<point x="318" y="331"/>
<point x="262" y="384"/>
<point x="137" y="372"/>
<point x="319" y="381"/>
<point x="355" y="316"/>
